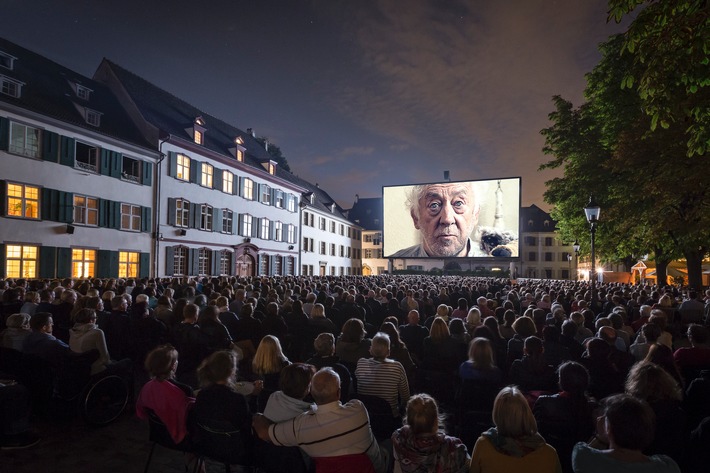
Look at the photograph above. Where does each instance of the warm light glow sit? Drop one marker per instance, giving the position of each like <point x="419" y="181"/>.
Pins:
<point x="239" y="140"/>
<point x="600" y="270"/>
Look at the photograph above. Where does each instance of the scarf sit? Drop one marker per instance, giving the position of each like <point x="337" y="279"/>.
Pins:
<point x="514" y="447"/>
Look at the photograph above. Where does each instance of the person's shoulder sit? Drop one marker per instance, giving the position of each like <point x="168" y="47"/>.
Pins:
<point x="669" y="465"/>
<point x="411" y="251"/>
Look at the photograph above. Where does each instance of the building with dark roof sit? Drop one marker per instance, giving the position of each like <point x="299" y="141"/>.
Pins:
<point x="542" y="254"/>
<point x="367" y="212"/>
<point x="76" y="195"/>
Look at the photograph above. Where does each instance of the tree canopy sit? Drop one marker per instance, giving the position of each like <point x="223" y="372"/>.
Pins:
<point x="275" y="153"/>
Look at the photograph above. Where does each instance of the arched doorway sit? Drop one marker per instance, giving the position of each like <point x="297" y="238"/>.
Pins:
<point x="366" y="270"/>
<point x="245" y="265"/>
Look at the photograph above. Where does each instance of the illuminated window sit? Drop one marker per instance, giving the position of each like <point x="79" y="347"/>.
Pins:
<point x="278" y="231"/>
<point x="25" y="140"/>
<point x="264" y="230"/>
<point x="83" y="263"/>
<point x="246" y="225"/>
<point x="225" y="262"/>
<point x="291" y="203"/>
<point x="204" y="257"/>
<point x="265" y="194"/>
<point x="199" y="137"/>
<point x="130" y="217"/>
<point x="182" y="213"/>
<point x="272" y="168"/>
<point x="180" y="260"/>
<point x="87" y="157"/>
<point x="291" y="234"/>
<point x="240" y="155"/>
<point x="86" y="210"/>
<point x="248" y="189"/>
<point x="22" y="201"/>
<point x="183" y="167"/>
<point x="227" y="221"/>
<point x="128" y="264"/>
<point x="227" y="182"/>
<point x="279" y="201"/>
<point x="206" y="214"/>
<point x="131" y="169"/>
<point x="207" y="173"/>
<point x="21" y="261"/>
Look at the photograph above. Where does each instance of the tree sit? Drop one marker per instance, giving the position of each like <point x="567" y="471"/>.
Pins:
<point x="275" y="153"/>
<point x="669" y="42"/>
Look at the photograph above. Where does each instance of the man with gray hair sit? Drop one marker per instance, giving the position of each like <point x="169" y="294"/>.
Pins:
<point x="333" y="432"/>
<point x="383" y="377"/>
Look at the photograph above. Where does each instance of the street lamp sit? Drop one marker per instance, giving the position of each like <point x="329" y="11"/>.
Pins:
<point x="592" y="211"/>
<point x="576" y="259"/>
<point x="569" y="260"/>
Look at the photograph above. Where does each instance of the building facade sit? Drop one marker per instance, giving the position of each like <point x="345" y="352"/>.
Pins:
<point x="542" y="254"/>
<point x="367" y="213"/>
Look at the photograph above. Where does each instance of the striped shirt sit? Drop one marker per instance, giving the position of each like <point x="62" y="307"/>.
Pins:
<point x="384" y="379"/>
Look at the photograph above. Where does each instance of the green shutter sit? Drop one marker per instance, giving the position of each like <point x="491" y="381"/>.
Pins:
<point x="105" y="167"/>
<point x="144" y="268"/>
<point x="50" y="146"/>
<point x="50" y="204"/>
<point x="65" y="211"/>
<point x="192" y="262"/>
<point x="3" y="198"/>
<point x="3" y="269"/>
<point x="67" y="151"/>
<point x="147" y="176"/>
<point x="172" y="206"/>
<point x="241" y="187"/>
<point x="169" y="260"/>
<point x="239" y="223"/>
<point x="195" y="216"/>
<point x="103" y="213"/>
<point x="116" y="164"/>
<point x="4" y="135"/>
<point x="145" y="219"/>
<point x="217" y="179"/>
<point x="115" y="215"/>
<point x="216" y="220"/>
<point x="214" y="264"/>
<point x="47" y="261"/>
<point x="172" y="163"/>
<point x="103" y="269"/>
<point x="195" y="170"/>
<point x="63" y="262"/>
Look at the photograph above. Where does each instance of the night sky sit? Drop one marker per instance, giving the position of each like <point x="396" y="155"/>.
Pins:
<point x="357" y="94"/>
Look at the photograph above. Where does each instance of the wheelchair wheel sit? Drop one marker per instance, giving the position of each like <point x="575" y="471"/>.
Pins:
<point x="104" y="400"/>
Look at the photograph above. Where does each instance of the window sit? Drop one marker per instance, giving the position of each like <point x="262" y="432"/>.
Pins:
<point x="248" y="189"/>
<point x="10" y="87"/>
<point x="22" y="201"/>
<point x="83" y="93"/>
<point x="246" y="225"/>
<point x="227" y="182"/>
<point x="131" y="169"/>
<point x="291" y="237"/>
<point x="21" y="261"/>
<point x="548" y="241"/>
<point x="199" y="137"/>
<point x="207" y="174"/>
<point x="6" y="60"/>
<point x="225" y="262"/>
<point x="182" y="213"/>
<point x="24" y="140"/>
<point x="332" y="249"/>
<point x="321" y="223"/>
<point x="87" y="157"/>
<point x="271" y="168"/>
<point x="332" y="227"/>
<point x="322" y="248"/>
<point x="180" y="260"/>
<point x="530" y="241"/>
<point x="289" y="266"/>
<point x="183" y="168"/>
<point x="265" y="194"/>
<point x="227" y="221"/>
<point x="204" y="256"/>
<point x="368" y="253"/>
<point x="93" y="117"/>
<point x="130" y="217"/>
<point x="279" y="201"/>
<point x="368" y="238"/>
<point x="342" y="229"/>
<point x="548" y="256"/>
<point x="565" y="274"/>
<point x="264" y="230"/>
<point x="347" y="252"/>
<point x="83" y="263"/>
<point x="342" y="251"/>
<point x="264" y="264"/>
<point x="291" y="203"/>
<point x="377" y="238"/>
<point x="128" y="262"/>
<point x="206" y="214"/>
<point x="240" y="155"/>
<point x="305" y="218"/>
<point x="278" y="231"/>
<point x="86" y="210"/>
<point x="532" y="256"/>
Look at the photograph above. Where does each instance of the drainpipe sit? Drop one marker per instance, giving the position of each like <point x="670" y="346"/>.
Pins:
<point x="156" y="194"/>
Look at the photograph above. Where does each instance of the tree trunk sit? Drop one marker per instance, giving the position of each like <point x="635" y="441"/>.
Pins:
<point x="662" y="262"/>
<point x="694" y="262"/>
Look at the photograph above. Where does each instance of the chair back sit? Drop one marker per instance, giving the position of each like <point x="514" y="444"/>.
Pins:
<point x="357" y="463"/>
<point x="272" y="458"/>
<point x="379" y="410"/>
<point x="221" y="441"/>
<point x="159" y="434"/>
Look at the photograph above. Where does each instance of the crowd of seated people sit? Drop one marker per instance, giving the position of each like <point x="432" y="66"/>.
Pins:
<point x="450" y="328"/>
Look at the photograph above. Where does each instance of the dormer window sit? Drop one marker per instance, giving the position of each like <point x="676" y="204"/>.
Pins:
<point x="7" y="61"/>
<point x="238" y="149"/>
<point x="240" y="155"/>
<point x="271" y="167"/>
<point x="83" y="92"/>
<point x="93" y="117"/>
<point x="10" y="87"/>
<point x="198" y="131"/>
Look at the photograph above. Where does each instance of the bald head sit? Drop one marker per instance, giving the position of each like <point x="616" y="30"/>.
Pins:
<point x="325" y="386"/>
<point x="413" y="317"/>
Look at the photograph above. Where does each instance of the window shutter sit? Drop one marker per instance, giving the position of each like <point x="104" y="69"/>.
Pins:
<point x="257" y="270"/>
<point x="3" y="198"/>
<point x="217" y="220"/>
<point x="105" y="162"/>
<point x="172" y="208"/>
<point x="3" y="273"/>
<point x="147" y="176"/>
<point x="103" y="213"/>
<point x="169" y="261"/>
<point x="272" y="264"/>
<point x="214" y="264"/>
<point x="66" y="207"/>
<point x="272" y="230"/>
<point x="217" y="179"/>
<point x="63" y="262"/>
<point x="255" y="223"/>
<point x="172" y="163"/>
<point x="114" y="214"/>
<point x="145" y="219"/>
<point x="50" y="146"/>
<point x="144" y="268"/>
<point x="67" y="151"/>
<point x="116" y="164"/>
<point x="195" y="171"/>
<point x="240" y="224"/>
<point x="193" y="262"/>
<point x="104" y="264"/>
<point x="4" y="137"/>
<point x="234" y="222"/>
<point x="241" y="187"/>
<point x="258" y="192"/>
<point x="50" y="204"/>
<point x="195" y="216"/>
<point x="235" y="185"/>
<point x="272" y="199"/>
<point x="47" y="261"/>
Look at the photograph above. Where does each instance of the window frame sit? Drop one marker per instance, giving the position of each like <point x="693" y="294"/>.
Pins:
<point x="22" y="260"/>
<point x="278" y="231"/>
<point x="247" y="222"/>
<point x="227" y="182"/>
<point x="85" y="211"/>
<point x="84" y="260"/>
<point x="180" y="256"/>
<point x="265" y="197"/>
<point x="204" y="260"/>
<point x="206" y="217"/>
<point x="207" y="175"/>
<point x="10" y="87"/>
<point x="23" y="201"/>
<point x="132" y="177"/>
<point x="182" y="163"/>
<point x="182" y="213"/>
<point x="134" y="216"/>
<point x="248" y="189"/>
<point x="227" y="221"/>
<point x="264" y="229"/>
<point x="129" y="264"/>
<point x="93" y="153"/>
<point x="27" y="150"/>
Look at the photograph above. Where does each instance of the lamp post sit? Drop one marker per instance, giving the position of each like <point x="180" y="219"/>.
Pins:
<point x="569" y="260"/>
<point x="591" y="211"/>
<point x="576" y="259"/>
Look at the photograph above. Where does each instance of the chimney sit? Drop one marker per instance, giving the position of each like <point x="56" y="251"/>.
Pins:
<point x="266" y="144"/>
<point x="251" y="132"/>
<point x="357" y="198"/>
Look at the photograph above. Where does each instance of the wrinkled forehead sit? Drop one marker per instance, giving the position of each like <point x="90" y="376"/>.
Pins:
<point x="447" y="191"/>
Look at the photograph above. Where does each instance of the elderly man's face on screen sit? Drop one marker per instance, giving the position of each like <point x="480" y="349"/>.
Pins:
<point x="446" y="215"/>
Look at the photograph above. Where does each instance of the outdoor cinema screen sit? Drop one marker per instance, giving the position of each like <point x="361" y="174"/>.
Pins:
<point x="475" y="219"/>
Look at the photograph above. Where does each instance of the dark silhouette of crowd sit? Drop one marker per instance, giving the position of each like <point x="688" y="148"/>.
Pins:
<point x="527" y="375"/>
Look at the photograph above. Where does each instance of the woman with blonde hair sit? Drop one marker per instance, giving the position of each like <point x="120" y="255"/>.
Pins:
<point x="480" y="365"/>
<point x="439" y="352"/>
<point x="419" y="446"/>
<point x="514" y="444"/>
<point x="268" y="362"/>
